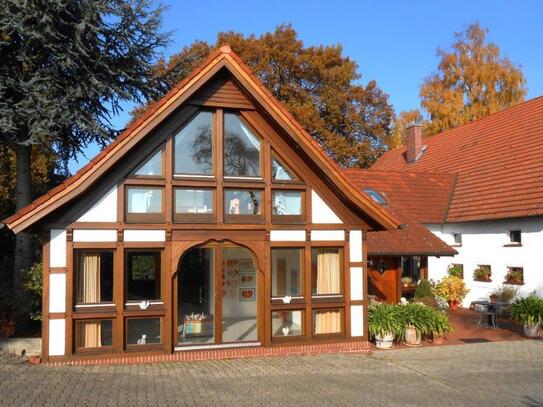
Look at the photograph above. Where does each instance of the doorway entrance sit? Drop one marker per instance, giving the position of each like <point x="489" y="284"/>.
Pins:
<point x="217" y="296"/>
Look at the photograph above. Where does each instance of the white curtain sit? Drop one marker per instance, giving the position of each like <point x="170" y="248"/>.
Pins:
<point x="328" y="282"/>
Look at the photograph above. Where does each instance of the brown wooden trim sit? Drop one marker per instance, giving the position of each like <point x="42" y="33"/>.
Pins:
<point x="57" y="270"/>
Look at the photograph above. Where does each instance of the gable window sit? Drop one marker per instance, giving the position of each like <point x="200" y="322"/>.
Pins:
<point x="152" y="167"/>
<point x="241" y="149"/>
<point x="326" y="271"/>
<point x="194" y="147"/>
<point x="143" y="275"/>
<point x="281" y="172"/>
<point x="240" y="204"/>
<point x="287" y="205"/>
<point x="144" y="204"/>
<point x="457" y="239"/>
<point x="94" y="277"/>
<point x="194" y="203"/>
<point x="515" y="237"/>
<point x="286" y="272"/>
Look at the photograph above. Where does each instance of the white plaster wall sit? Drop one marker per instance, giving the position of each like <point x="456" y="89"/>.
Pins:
<point x="321" y="212"/>
<point x="357" y="283"/>
<point x="355" y="245"/>
<point x="57" y="292"/>
<point x="94" y="235"/>
<point x="327" y="235"/>
<point x="357" y="320"/>
<point x="57" y="248"/>
<point x="136" y="235"/>
<point x="287" y="235"/>
<point x="104" y="210"/>
<point x="483" y="243"/>
<point x="57" y="337"/>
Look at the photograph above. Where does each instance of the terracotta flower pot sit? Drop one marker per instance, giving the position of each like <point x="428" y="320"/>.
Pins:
<point x="453" y="305"/>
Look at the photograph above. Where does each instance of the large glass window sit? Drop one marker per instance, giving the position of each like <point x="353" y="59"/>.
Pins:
<point x="241" y="148"/>
<point x="242" y="202"/>
<point x="286" y="323"/>
<point x="287" y="203"/>
<point x="143" y="275"/>
<point x="194" y="146"/>
<point x="144" y="200"/>
<point x="326" y="271"/>
<point x="194" y="201"/>
<point x="93" y="334"/>
<point x="152" y="167"/>
<point x="281" y="172"/>
<point x="143" y="331"/>
<point x="286" y="272"/>
<point x="94" y="277"/>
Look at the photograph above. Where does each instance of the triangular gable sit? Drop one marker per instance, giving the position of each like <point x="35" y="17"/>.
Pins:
<point x="156" y="113"/>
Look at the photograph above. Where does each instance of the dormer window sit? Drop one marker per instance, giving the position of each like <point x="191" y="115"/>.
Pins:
<point x="376" y="196"/>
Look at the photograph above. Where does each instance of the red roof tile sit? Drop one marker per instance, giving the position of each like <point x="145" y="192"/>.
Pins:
<point x="498" y="161"/>
<point x="413" y="199"/>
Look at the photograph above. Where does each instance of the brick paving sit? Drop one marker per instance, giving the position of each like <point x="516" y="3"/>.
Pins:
<point x="498" y="373"/>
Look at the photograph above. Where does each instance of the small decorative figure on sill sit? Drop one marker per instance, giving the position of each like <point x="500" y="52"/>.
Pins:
<point x="142" y="340"/>
<point x="285" y="330"/>
<point x="287" y="299"/>
<point x="144" y="304"/>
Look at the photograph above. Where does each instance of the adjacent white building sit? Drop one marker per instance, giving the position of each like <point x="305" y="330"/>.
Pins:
<point x="494" y="216"/>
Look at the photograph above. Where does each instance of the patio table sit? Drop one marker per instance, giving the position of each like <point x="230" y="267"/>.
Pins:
<point x="492" y="308"/>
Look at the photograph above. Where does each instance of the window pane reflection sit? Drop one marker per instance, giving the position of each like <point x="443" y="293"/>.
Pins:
<point x="241" y="148"/>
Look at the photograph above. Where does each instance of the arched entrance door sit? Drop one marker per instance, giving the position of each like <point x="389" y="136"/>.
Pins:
<point x="217" y="296"/>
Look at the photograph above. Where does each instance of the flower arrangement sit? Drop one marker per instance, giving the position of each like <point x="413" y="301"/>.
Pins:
<point x="482" y="273"/>
<point x="514" y="275"/>
<point x="198" y="317"/>
<point x="453" y="289"/>
<point x="456" y="270"/>
<point x="407" y="282"/>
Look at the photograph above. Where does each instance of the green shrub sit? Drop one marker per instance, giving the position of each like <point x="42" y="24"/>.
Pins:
<point x="385" y="319"/>
<point x="418" y="315"/>
<point x="456" y="270"/>
<point x="451" y="288"/>
<point x="505" y="293"/>
<point x="34" y="285"/>
<point x="424" y="289"/>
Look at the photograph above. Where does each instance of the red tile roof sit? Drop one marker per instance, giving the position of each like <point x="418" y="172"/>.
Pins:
<point x="413" y="199"/>
<point x="498" y="161"/>
<point x="73" y="185"/>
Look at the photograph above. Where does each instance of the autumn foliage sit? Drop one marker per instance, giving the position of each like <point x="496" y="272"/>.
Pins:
<point x="318" y="84"/>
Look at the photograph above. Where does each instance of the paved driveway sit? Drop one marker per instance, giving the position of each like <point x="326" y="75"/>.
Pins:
<point x="504" y="373"/>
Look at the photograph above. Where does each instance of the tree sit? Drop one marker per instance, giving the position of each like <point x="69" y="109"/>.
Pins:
<point x="66" y="67"/>
<point x="399" y="126"/>
<point x="472" y="81"/>
<point x="318" y="85"/>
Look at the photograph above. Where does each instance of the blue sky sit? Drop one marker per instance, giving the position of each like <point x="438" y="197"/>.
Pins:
<point x="393" y="42"/>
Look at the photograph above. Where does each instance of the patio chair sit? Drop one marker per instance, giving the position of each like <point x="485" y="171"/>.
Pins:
<point x="488" y="312"/>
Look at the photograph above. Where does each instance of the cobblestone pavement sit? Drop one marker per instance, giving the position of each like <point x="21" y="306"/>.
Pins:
<point x="503" y="373"/>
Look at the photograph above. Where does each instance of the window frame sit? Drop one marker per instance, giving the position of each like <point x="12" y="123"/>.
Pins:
<point x="214" y="146"/>
<point x="148" y="346"/>
<point x="244" y="218"/>
<point x="340" y="334"/>
<point x="261" y="152"/>
<point x="513" y="242"/>
<point x="96" y="349"/>
<point x="301" y="218"/>
<point x="297" y="299"/>
<point x="78" y="306"/>
<point x="152" y="217"/>
<point x="162" y="150"/>
<point x="328" y="298"/>
<point x="289" y="338"/>
<point x="295" y="181"/>
<point x="457" y="238"/>
<point x="194" y="217"/>
<point x="127" y="253"/>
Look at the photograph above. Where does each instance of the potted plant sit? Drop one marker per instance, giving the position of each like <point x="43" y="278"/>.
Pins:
<point x="515" y="277"/>
<point x="417" y="319"/>
<point x="456" y="270"/>
<point x="440" y="325"/>
<point x="504" y="294"/>
<point x="482" y="273"/>
<point x="384" y="324"/>
<point x="453" y="289"/>
<point x="529" y="312"/>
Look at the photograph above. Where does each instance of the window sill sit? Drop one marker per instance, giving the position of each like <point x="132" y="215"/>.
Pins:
<point x="512" y="283"/>
<point x="513" y="245"/>
<point x="456" y="245"/>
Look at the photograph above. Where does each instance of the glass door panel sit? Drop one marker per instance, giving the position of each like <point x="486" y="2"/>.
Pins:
<point x="196" y="297"/>
<point x="239" y="296"/>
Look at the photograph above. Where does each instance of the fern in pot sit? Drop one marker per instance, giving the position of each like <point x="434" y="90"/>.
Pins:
<point x="529" y="312"/>
<point x="385" y="324"/>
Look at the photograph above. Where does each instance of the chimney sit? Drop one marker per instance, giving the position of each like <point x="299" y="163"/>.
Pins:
<point x="413" y="141"/>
